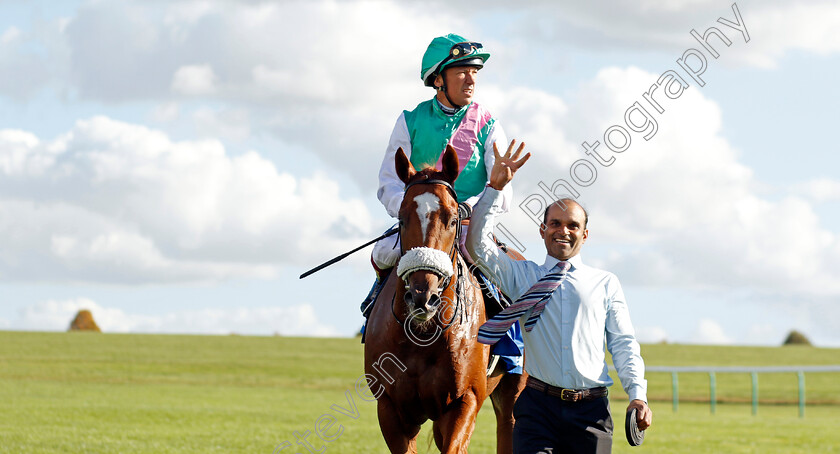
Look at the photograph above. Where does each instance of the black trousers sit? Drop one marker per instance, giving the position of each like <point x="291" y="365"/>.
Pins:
<point x="548" y="425"/>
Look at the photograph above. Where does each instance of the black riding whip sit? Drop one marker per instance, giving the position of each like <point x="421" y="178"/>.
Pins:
<point x="342" y="256"/>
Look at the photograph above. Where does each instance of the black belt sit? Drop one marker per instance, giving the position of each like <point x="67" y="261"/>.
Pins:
<point x="569" y="395"/>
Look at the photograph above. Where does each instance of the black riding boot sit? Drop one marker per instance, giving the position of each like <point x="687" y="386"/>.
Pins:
<point x="367" y="305"/>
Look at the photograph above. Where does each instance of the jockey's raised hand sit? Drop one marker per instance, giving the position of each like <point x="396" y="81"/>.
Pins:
<point x="507" y="165"/>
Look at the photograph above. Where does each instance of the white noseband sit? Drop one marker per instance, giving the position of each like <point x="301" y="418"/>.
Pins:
<point x="425" y="258"/>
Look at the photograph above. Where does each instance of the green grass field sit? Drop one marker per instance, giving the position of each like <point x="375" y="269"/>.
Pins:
<point x="110" y="393"/>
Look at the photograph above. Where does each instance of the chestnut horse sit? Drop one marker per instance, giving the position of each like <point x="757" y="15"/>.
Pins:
<point x="422" y="360"/>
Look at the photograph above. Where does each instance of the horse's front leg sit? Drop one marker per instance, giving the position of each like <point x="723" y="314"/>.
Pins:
<point x="455" y="427"/>
<point x="401" y="438"/>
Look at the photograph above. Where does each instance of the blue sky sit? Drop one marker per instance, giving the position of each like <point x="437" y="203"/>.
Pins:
<point x="174" y="166"/>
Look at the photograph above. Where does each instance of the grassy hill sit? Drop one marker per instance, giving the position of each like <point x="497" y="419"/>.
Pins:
<point x="111" y="393"/>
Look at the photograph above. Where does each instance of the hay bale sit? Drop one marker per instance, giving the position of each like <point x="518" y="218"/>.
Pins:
<point x="84" y="322"/>
<point x="796" y="338"/>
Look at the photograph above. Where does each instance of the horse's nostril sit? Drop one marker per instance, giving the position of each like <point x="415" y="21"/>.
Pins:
<point x="434" y="300"/>
<point x="407" y="297"/>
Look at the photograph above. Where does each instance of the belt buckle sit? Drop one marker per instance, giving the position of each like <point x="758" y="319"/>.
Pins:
<point x="569" y="395"/>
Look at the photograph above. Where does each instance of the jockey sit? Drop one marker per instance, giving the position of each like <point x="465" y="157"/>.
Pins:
<point x="450" y="66"/>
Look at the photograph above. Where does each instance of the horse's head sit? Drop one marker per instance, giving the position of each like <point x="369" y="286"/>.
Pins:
<point x="429" y="226"/>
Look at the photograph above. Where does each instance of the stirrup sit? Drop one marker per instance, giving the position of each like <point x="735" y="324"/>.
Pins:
<point x="494" y="360"/>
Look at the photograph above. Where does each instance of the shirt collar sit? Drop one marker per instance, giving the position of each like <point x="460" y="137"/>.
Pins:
<point x="550" y="261"/>
<point x="446" y="111"/>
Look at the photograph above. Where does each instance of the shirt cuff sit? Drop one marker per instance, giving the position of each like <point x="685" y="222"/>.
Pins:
<point x="637" y="392"/>
<point x="491" y="199"/>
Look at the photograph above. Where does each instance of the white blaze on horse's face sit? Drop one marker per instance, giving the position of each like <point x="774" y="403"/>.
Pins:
<point x="427" y="203"/>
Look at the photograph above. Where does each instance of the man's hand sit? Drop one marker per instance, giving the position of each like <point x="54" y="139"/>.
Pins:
<point x="507" y="165"/>
<point x="644" y="415"/>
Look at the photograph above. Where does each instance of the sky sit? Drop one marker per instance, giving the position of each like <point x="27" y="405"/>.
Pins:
<point x="175" y="166"/>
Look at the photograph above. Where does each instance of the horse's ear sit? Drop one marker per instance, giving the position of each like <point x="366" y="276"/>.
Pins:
<point x="403" y="166"/>
<point x="450" y="164"/>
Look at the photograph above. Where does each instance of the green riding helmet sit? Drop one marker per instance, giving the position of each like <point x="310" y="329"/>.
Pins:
<point x="450" y="51"/>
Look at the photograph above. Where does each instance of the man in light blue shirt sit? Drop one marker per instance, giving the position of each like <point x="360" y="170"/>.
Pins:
<point x="565" y="407"/>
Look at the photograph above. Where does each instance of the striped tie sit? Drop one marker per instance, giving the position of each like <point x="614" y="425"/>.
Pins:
<point x="536" y="297"/>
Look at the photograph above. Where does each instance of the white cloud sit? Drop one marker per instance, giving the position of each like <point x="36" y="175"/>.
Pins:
<point x="165" y="112"/>
<point x="819" y="190"/>
<point x="807" y="27"/>
<point x="194" y="80"/>
<point x="349" y="78"/>
<point x="312" y="81"/>
<point x="56" y="315"/>
<point x="116" y="202"/>
<point x="293" y="52"/>
<point x="18" y="156"/>
<point x="281" y="56"/>
<point x="709" y="332"/>
<point x="295" y="70"/>
<point x="10" y="35"/>
<point x="677" y="210"/>
<point x="775" y="28"/>
<point x="233" y="124"/>
<point x="179" y="18"/>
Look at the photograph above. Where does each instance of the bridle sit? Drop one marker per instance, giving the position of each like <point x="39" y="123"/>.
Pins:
<point x="454" y="195"/>
<point x="453" y="252"/>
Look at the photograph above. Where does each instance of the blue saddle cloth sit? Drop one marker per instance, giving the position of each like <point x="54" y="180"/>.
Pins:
<point x="510" y="348"/>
